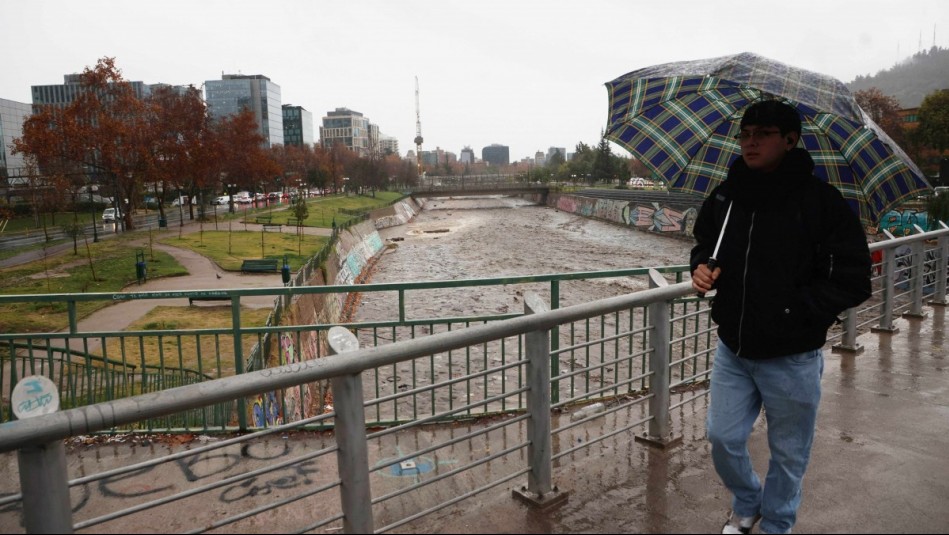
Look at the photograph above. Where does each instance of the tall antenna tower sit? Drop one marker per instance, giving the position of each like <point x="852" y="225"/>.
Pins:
<point x="418" y="132"/>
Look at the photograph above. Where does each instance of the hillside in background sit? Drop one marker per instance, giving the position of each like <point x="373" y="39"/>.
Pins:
<point x="912" y="79"/>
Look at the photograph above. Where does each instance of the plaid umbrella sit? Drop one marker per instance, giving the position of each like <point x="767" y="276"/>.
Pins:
<point x="680" y="119"/>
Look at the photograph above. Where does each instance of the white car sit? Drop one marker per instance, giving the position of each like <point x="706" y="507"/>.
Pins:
<point x="109" y="215"/>
<point x="223" y="199"/>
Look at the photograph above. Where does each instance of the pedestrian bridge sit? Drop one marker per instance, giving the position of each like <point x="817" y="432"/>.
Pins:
<point x="475" y="185"/>
<point x="587" y="418"/>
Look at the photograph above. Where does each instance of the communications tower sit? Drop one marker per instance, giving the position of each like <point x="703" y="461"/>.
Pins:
<point x="418" y="132"/>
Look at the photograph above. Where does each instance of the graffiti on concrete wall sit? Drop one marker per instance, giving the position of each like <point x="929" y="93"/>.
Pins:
<point x="903" y="272"/>
<point x="900" y="222"/>
<point x="658" y="218"/>
<point x="296" y="399"/>
<point x="647" y="216"/>
<point x="266" y="410"/>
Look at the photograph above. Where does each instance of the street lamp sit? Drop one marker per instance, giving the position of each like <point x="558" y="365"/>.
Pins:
<point x="230" y="195"/>
<point x="92" y="206"/>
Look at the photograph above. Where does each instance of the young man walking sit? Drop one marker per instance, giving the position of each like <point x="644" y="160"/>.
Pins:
<point x="792" y="256"/>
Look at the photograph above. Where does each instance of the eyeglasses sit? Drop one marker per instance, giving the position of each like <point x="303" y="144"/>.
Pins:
<point x="757" y="135"/>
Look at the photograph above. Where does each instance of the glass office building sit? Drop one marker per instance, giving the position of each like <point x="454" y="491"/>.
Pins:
<point x="235" y="92"/>
<point x="496" y="154"/>
<point x="297" y="126"/>
<point x="12" y="116"/>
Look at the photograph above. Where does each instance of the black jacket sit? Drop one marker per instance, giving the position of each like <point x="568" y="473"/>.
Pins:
<point x="793" y="257"/>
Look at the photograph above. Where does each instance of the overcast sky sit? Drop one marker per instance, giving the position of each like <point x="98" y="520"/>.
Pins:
<point x="527" y="74"/>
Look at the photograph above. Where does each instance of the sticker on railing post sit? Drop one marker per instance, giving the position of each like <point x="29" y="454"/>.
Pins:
<point x="33" y="396"/>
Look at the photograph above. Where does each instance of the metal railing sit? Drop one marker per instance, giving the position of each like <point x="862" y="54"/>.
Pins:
<point x="641" y="358"/>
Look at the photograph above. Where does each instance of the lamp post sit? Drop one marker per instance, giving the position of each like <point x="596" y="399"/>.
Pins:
<point x="92" y="206"/>
<point x="181" y="214"/>
<point x="230" y="199"/>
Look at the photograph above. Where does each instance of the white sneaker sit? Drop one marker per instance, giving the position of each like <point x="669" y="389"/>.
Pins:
<point x="740" y="524"/>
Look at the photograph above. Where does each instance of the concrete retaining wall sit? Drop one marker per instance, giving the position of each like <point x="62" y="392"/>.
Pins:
<point x="675" y="218"/>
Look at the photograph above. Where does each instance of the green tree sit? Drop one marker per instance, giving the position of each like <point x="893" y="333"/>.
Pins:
<point x="603" y="164"/>
<point x="933" y="129"/>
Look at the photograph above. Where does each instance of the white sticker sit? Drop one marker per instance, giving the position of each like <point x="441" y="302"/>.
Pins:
<point x="33" y="396"/>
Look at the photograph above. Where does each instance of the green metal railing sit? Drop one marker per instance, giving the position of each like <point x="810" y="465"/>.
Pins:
<point x="133" y="362"/>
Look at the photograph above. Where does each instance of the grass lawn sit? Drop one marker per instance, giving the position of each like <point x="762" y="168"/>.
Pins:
<point x="230" y="249"/>
<point x="53" y="221"/>
<point x="113" y="262"/>
<point x="172" y="351"/>
<point x="324" y="210"/>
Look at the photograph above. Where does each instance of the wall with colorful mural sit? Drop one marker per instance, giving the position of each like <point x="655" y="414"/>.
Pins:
<point x="675" y="218"/>
<point x="355" y="247"/>
<point x="900" y="222"/>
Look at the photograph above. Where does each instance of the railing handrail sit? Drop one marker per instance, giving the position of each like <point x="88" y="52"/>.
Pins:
<point x="89" y="419"/>
<point x="342" y="288"/>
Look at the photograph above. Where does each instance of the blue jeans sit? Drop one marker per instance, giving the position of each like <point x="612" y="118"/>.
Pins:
<point x="789" y="389"/>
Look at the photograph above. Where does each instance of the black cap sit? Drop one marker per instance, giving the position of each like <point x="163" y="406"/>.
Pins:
<point x="772" y="113"/>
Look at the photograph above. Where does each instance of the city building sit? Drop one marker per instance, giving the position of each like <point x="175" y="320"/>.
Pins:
<point x="539" y="158"/>
<point x="255" y="92"/>
<point x="297" y="126"/>
<point x="556" y="150"/>
<point x="346" y="127"/>
<point x="496" y="154"/>
<point x="467" y="155"/>
<point x="12" y="116"/>
<point x="61" y="95"/>
<point x="389" y="145"/>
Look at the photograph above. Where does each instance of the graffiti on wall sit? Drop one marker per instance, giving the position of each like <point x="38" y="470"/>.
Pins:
<point x="658" y="218"/>
<point x="903" y="272"/>
<point x="266" y="410"/>
<point x="646" y="216"/>
<point x="296" y="399"/>
<point x="900" y="222"/>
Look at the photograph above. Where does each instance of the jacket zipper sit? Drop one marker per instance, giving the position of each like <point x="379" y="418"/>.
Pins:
<point x="744" y="285"/>
<point x="830" y="270"/>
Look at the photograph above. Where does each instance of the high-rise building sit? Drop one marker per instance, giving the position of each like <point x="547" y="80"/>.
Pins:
<point x="12" y="116"/>
<point x="556" y="150"/>
<point x="388" y="145"/>
<point x="61" y="95"/>
<point x="255" y="92"/>
<point x="467" y="155"/>
<point x="496" y="154"/>
<point x="347" y="127"/>
<point x="297" y="126"/>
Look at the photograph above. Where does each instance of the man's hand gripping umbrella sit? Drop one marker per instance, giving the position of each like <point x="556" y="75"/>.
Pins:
<point x="705" y="275"/>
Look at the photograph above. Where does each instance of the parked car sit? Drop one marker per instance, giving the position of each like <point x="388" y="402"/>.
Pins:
<point x="223" y="199"/>
<point x="109" y="215"/>
<point x="181" y="201"/>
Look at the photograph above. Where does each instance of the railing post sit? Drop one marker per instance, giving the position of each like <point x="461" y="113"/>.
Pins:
<point x="43" y="476"/>
<point x="555" y="342"/>
<point x="238" y="357"/>
<point x="848" y="343"/>
<point x="942" y="269"/>
<point x="889" y="291"/>
<point x="660" y="425"/>
<point x="916" y="278"/>
<point x="540" y="491"/>
<point x="350" y="426"/>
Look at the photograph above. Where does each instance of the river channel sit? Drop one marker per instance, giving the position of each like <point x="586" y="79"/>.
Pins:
<point x="469" y="238"/>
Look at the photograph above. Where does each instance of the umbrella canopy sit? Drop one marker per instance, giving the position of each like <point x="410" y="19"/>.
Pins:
<point x="680" y="119"/>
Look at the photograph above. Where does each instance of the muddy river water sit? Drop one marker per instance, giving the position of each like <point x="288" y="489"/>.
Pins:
<point x="470" y="238"/>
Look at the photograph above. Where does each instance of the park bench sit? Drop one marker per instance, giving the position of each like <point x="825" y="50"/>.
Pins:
<point x="271" y="226"/>
<point x="259" y="265"/>
<point x="192" y="299"/>
<point x="293" y="222"/>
